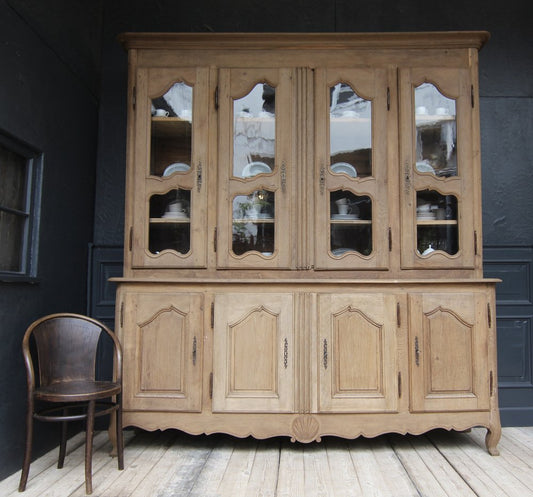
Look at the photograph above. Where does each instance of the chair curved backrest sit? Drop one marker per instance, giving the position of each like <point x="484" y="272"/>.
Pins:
<point x="66" y="347"/>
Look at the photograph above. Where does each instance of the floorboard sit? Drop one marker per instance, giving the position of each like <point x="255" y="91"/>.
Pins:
<point x="175" y="464"/>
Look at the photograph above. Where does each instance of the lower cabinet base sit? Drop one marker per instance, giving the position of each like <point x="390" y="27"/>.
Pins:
<point x="307" y="428"/>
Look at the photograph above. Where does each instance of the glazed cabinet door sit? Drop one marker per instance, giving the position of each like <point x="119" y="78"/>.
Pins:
<point x="168" y="213"/>
<point x="162" y="342"/>
<point x="439" y="147"/>
<point x="357" y="353"/>
<point x="253" y="353"/>
<point x="255" y="168"/>
<point x="352" y="140"/>
<point x="448" y="338"/>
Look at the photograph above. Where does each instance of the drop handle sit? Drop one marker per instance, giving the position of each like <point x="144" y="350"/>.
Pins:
<point x="325" y="354"/>
<point x="194" y="351"/>
<point x="285" y="353"/>
<point x="417" y="352"/>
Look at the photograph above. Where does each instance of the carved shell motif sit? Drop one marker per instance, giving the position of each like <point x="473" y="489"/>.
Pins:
<point x="304" y="429"/>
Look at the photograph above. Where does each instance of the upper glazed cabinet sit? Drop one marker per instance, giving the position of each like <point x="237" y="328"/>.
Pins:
<point x="367" y="160"/>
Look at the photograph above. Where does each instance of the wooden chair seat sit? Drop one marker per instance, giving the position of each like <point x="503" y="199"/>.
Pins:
<point x="66" y="388"/>
<point x="77" y="391"/>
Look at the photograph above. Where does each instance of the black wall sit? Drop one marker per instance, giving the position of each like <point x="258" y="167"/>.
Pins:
<point x="49" y="104"/>
<point x="63" y="89"/>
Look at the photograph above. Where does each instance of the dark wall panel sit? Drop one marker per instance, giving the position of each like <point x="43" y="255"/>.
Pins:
<point x="44" y="103"/>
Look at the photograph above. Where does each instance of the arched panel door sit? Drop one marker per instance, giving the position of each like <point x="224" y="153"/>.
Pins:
<point x="255" y="226"/>
<point x="439" y="189"/>
<point x="254" y="353"/>
<point x="168" y="214"/>
<point x="352" y="109"/>
<point x="162" y="342"/>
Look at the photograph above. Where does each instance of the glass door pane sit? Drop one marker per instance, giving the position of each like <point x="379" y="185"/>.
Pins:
<point x="171" y="131"/>
<point x="254" y="132"/>
<point x="253" y="223"/>
<point x="170" y="222"/>
<point x="436" y="132"/>
<point x="350" y="136"/>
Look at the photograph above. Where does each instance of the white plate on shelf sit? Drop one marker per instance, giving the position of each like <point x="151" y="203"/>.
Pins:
<point x="255" y="168"/>
<point x="424" y="167"/>
<point x="344" y="216"/>
<point x="175" y="215"/>
<point x="340" y="251"/>
<point x="344" y="167"/>
<point x="426" y="217"/>
<point x="175" y="168"/>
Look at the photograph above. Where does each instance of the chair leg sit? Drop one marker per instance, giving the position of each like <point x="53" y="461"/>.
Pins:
<point x="27" y="452"/>
<point x="89" y="448"/>
<point x="63" y="443"/>
<point x="120" y="437"/>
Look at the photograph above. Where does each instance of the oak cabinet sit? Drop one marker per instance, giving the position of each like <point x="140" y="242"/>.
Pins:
<point x="303" y="246"/>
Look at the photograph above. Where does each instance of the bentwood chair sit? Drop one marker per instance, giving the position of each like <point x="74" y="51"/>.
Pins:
<point x="65" y="387"/>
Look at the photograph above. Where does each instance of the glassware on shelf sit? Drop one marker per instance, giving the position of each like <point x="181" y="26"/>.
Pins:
<point x="436" y="221"/>
<point x="350" y="223"/>
<point x="253" y="225"/>
<point x="169" y="225"/>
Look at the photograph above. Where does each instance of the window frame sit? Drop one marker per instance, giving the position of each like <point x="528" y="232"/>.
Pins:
<point x="29" y="243"/>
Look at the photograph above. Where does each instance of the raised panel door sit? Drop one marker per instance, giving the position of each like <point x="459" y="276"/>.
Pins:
<point x="253" y="357"/>
<point x="162" y="341"/>
<point x="449" y="352"/>
<point x="357" y="354"/>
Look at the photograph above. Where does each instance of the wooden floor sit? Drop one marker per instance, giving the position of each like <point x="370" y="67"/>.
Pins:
<point x="171" y="463"/>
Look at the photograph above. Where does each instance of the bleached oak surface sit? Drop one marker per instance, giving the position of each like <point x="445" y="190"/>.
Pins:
<point x="171" y="463"/>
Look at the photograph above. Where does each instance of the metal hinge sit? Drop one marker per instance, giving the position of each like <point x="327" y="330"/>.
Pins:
<point x="130" y="242"/>
<point x="475" y="242"/>
<point x="216" y="98"/>
<point x="388" y="98"/>
<point x="122" y="314"/>
<point x="134" y="97"/>
<point x="489" y="315"/>
<point x="390" y="239"/>
<point x="472" y="95"/>
<point x="212" y="315"/>
<point x="211" y="385"/>
<point x="491" y="384"/>
<point x="398" y="315"/>
<point x="399" y="385"/>
<point x="215" y="239"/>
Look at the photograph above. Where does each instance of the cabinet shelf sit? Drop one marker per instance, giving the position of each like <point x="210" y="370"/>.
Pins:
<point x="436" y="222"/>
<point x="351" y="221"/>
<point x="168" y="127"/>
<point x="170" y="220"/>
<point x="255" y="220"/>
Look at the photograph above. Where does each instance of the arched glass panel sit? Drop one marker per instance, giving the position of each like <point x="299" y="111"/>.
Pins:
<point x="436" y="132"/>
<point x="170" y="227"/>
<point x="436" y="219"/>
<point x="254" y="132"/>
<point x="171" y="131"/>
<point x="253" y="223"/>
<point x="351" y="223"/>
<point x="350" y="132"/>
